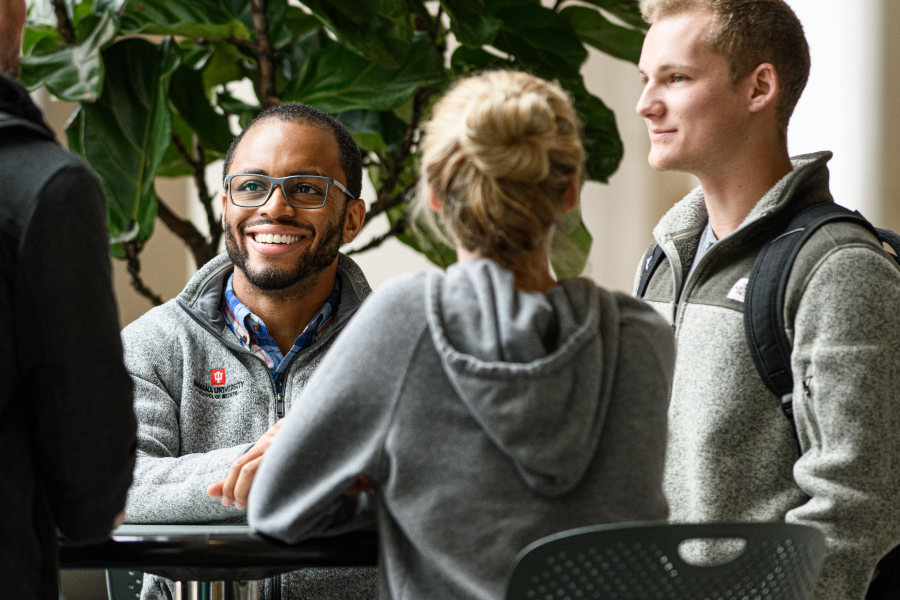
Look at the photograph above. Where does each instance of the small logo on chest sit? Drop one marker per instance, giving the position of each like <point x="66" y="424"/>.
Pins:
<point x="739" y="290"/>
<point x="217" y="377"/>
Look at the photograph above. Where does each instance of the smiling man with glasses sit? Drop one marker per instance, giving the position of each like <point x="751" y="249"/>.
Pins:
<point x="215" y="369"/>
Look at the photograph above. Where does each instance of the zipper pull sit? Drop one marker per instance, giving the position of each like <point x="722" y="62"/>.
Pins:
<point x="279" y="405"/>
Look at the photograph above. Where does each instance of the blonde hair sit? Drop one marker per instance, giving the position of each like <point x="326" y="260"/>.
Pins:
<point x="499" y="151"/>
<point x="749" y="33"/>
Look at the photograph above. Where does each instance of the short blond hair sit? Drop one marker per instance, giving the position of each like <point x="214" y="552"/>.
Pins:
<point x="499" y="151"/>
<point x="749" y="33"/>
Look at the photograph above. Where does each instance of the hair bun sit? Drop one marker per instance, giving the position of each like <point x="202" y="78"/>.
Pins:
<point x="508" y="135"/>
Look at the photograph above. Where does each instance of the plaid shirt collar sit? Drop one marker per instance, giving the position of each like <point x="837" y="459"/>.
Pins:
<point x="251" y="331"/>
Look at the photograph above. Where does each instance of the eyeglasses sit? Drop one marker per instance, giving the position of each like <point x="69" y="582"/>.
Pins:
<point x="300" y="191"/>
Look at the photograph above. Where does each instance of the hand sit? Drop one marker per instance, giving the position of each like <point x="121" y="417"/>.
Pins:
<point x="236" y="486"/>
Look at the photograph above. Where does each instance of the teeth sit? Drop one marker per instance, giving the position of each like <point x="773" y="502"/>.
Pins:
<point x="268" y="238"/>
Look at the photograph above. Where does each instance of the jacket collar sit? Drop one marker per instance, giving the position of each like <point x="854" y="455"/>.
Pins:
<point x="689" y="216"/>
<point x="17" y="108"/>
<point x="202" y="296"/>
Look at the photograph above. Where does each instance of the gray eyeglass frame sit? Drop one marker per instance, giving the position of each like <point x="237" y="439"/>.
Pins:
<point x="279" y="182"/>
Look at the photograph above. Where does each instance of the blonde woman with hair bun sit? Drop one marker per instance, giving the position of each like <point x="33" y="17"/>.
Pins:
<point x="489" y="406"/>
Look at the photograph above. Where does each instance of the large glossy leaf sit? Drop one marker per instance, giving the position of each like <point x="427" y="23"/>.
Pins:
<point x="172" y="163"/>
<point x="75" y="73"/>
<point x="465" y="60"/>
<point x="595" y="29"/>
<point x="378" y="132"/>
<point x="210" y="20"/>
<point x="379" y="30"/>
<point x="188" y="96"/>
<point x="39" y="40"/>
<point x="337" y="80"/>
<point x="538" y="38"/>
<point x="601" y="135"/>
<point x="124" y="135"/>
<point x="627" y="10"/>
<point x="570" y="246"/>
<point x="225" y="65"/>
<point x="471" y="23"/>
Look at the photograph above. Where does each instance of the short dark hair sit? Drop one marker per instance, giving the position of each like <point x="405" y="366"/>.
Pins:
<point x="351" y="157"/>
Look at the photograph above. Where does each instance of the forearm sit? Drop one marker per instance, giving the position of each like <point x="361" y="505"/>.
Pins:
<point x="173" y="490"/>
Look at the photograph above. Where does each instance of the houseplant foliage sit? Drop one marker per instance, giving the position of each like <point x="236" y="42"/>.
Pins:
<point x="154" y="82"/>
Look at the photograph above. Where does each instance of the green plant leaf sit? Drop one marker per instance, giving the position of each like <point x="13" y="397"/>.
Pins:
<point x="337" y="80"/>
<point x="172" y="163"/>
<point x="378" y="132"/>
<point x="570" y="246"/>
<point x="40" y="40"/>
<point x="471" y="23"/>
<point x="627" y="10"/>
<point x="423" y="240"/>
<point x="188" y="95"/>
<point x="223" y="66"/>
<point x="465" y="60"/>
<point x="601" y="135"/>
<point x="125" y="134"/>
<point x="595" y="29"/>
<point x="538" y="38"/>
<point x="75" y="73"/>
<point x="211" y="20"/>
<point x="378" y="30"/>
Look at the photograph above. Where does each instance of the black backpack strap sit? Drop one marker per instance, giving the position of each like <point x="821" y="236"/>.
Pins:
<point x="650" y="264"/>
<point x="764" y="302"/>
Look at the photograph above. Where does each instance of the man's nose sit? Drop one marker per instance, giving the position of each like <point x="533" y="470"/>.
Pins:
<point x="648" y="104"/>
<point x="277" y="205"/>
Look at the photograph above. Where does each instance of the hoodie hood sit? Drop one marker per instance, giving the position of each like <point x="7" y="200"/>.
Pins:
<point x="535" y="370"/>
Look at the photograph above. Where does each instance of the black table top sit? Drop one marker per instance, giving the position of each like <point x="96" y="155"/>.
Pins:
<point x="216" y="552"/>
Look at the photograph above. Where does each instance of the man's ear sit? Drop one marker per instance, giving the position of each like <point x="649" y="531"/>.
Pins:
<point x="764" y="87"/>
<point x="353" y="220"/>
<point x="224" y="208"/>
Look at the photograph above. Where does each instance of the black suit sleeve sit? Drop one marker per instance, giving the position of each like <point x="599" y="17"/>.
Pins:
<point x="70" y="353"/>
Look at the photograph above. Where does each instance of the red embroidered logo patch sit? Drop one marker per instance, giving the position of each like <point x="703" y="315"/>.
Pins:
<point x="218" y="376"/>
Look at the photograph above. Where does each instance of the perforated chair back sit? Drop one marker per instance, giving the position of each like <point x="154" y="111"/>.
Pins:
<point x="642" y="562"/>
<point x="124" y="585"/>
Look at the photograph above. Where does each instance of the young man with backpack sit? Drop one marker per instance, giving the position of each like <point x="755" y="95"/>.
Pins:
<point x="805" y="429"/>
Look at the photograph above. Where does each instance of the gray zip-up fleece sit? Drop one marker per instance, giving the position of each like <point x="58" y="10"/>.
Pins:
<point x="191" y="428"/>
<point x="731" y="454"/>
<point x="486" y="418"/>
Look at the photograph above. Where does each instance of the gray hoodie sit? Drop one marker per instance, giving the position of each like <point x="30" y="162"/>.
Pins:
<point x="191" y="428"/>
<point x="486" y="418"/>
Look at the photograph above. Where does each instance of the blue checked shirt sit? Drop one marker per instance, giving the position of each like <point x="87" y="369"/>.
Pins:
<point x="252" y="333"/>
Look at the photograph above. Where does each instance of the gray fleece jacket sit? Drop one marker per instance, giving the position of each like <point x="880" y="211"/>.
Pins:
<point x="191" y="427"/>
<point x="486" y="418"/>
<point x="732" y="455"/>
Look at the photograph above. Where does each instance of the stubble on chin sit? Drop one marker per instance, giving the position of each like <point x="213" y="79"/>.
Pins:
<point x="298" y="279"/>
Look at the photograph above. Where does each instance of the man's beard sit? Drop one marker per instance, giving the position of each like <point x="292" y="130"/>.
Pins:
<point x="310" y="263"/>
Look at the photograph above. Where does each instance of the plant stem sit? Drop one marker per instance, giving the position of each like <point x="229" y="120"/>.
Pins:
<point x="386" y="199"/>
<point x="396" y="229"/>
<point x="197" y="162"/>
<point x="266" y="54"/>
<point x="63" y="23"/>
<point x="187" y="232"/>
<point x="132" y="251"/>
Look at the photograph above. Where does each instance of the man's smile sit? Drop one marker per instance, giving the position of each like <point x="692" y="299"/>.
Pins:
<point x="275" y="239"/>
